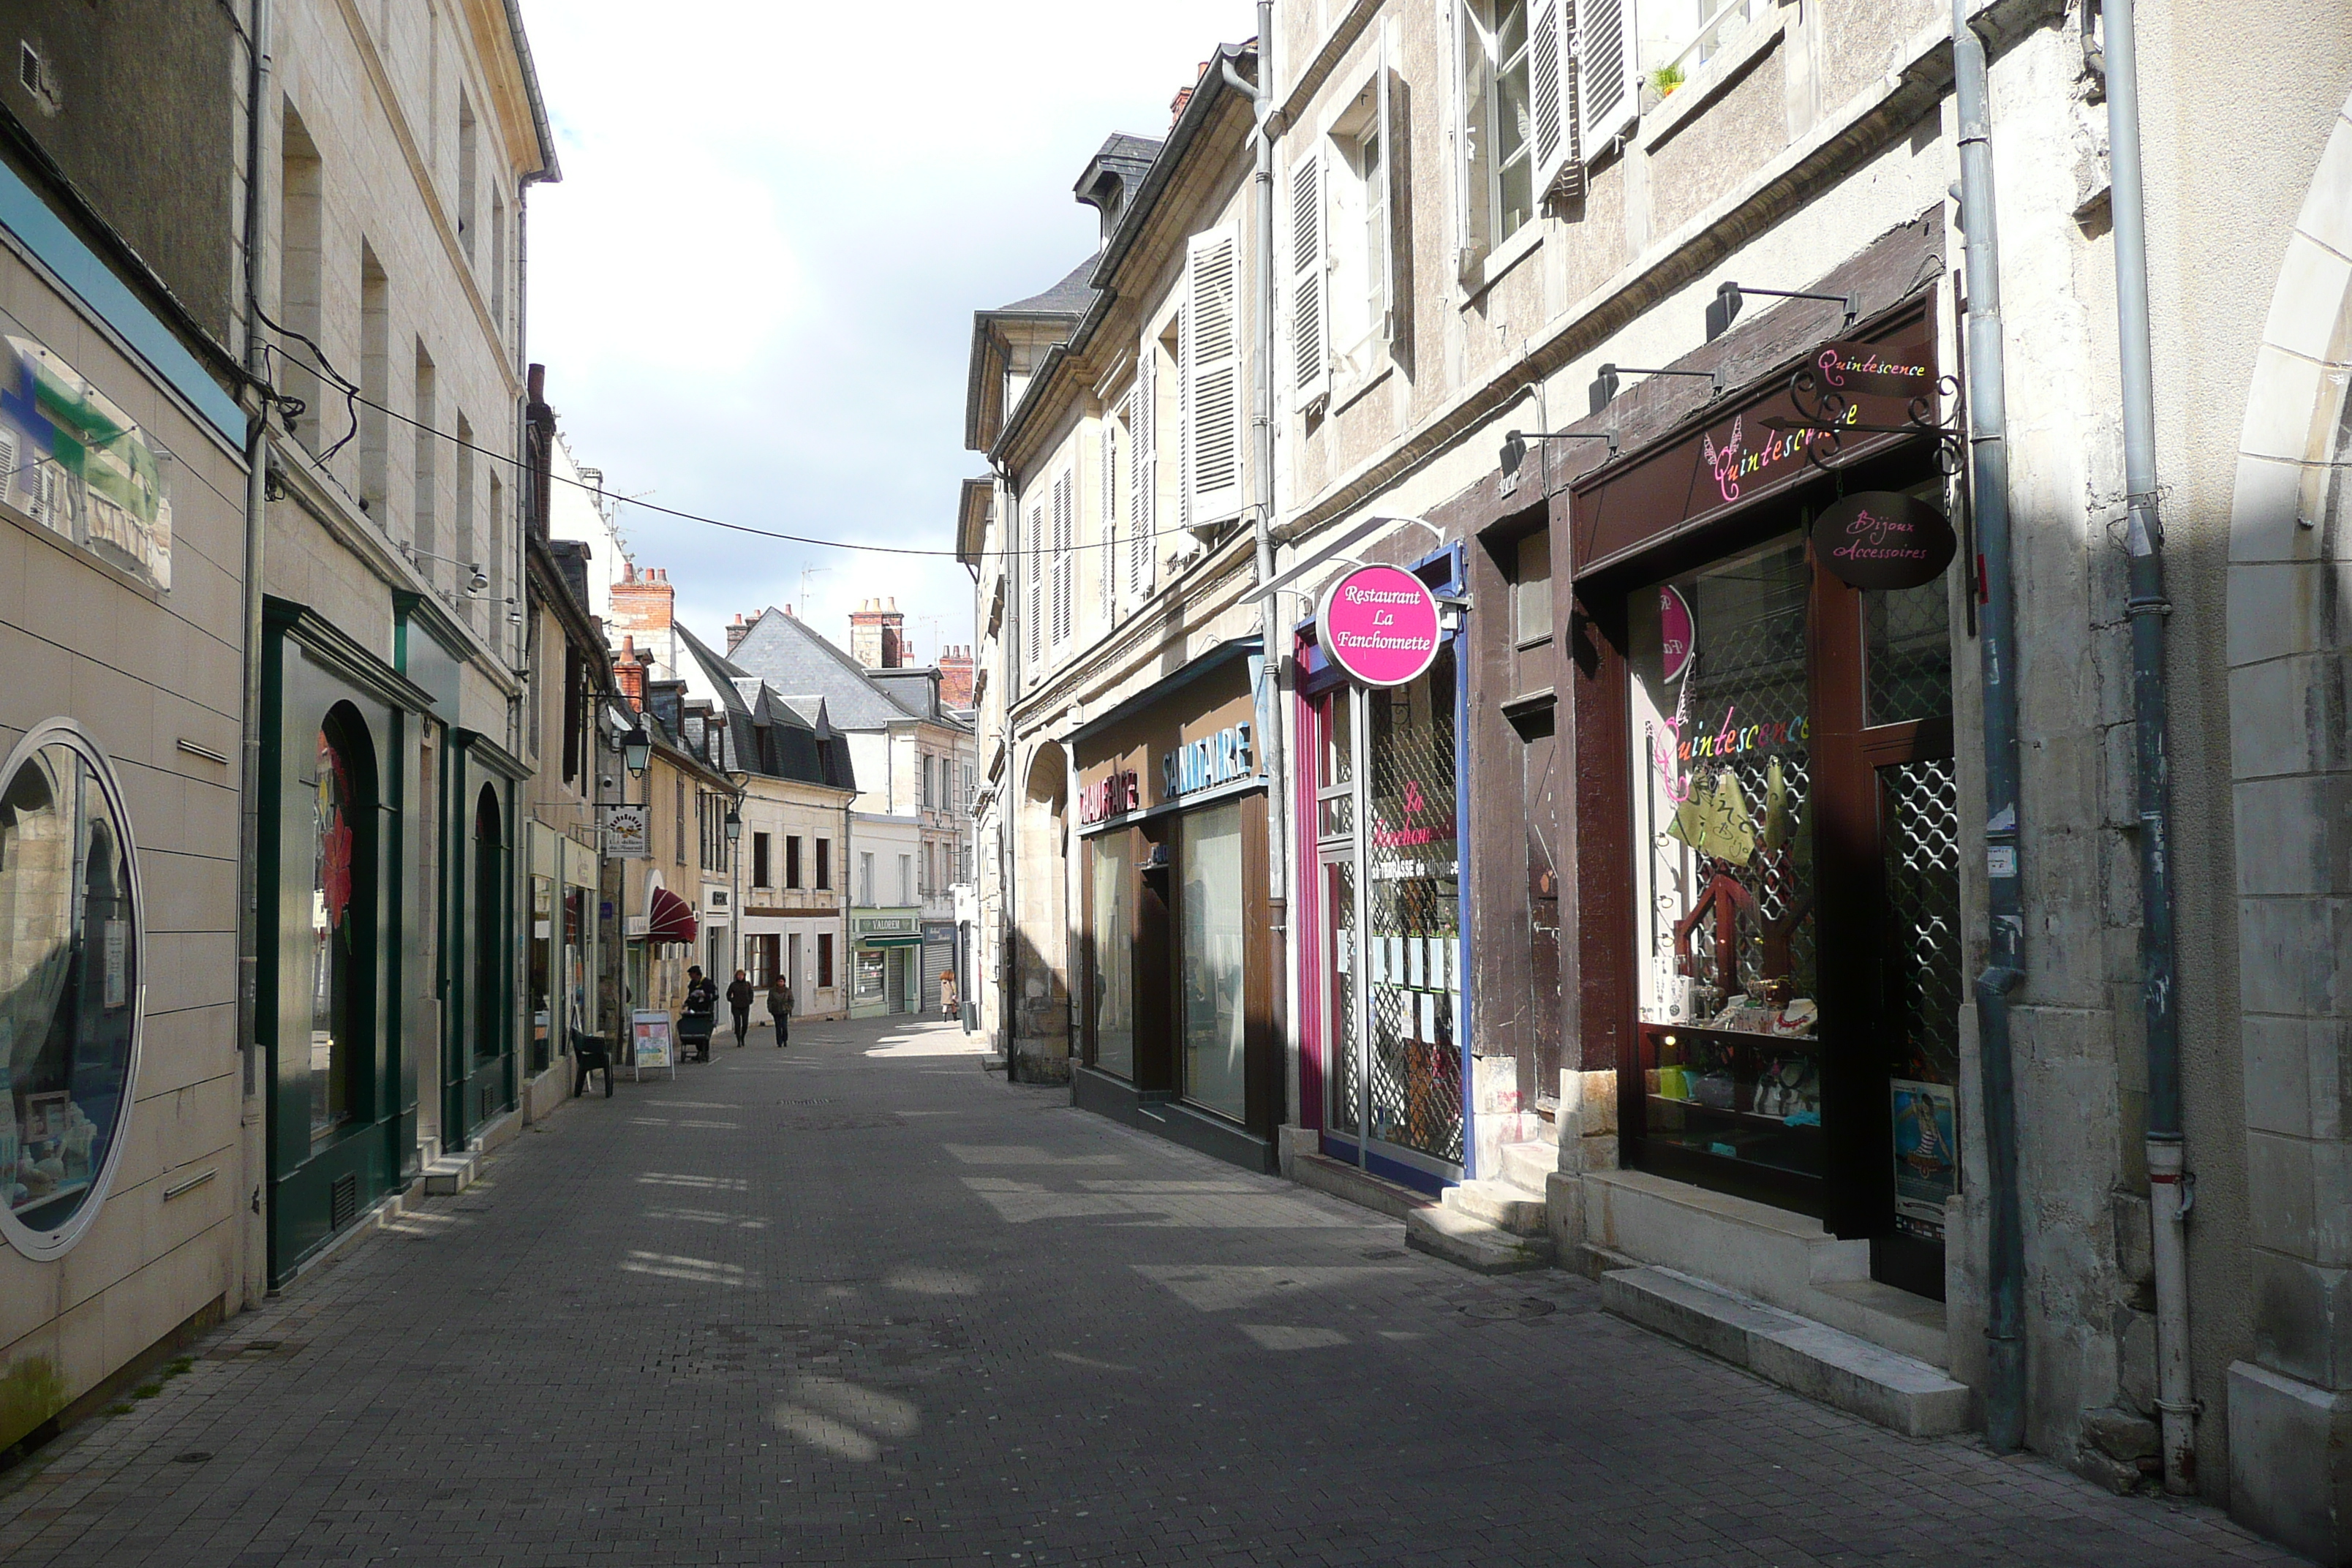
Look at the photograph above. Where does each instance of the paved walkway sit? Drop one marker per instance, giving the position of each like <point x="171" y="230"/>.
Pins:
<point x="859" y="1303"/>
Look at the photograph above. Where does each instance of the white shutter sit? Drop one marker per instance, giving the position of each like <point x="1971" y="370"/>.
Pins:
<point x="1185" y="408"/>
<point x="1142" y="469"/>
<point x="1469" y="188"/>
<point x="1107" y="555"/>
<point x="1064" y="504"/>
<point x="1310" y="295"/>
<point x="1548" y="64"/>
<point x="1394" y="296"/>
<point x="1608" y="82"/>
<point x="1212" y="377"/>
<point x="1035" y="556"/>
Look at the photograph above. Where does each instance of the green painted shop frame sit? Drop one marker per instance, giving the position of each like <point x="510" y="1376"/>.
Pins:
<point x="477" y="949"/>
<point x="340" y="734"/>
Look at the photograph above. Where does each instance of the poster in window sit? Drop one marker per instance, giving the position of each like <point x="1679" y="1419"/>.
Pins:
<point x="1926" y="1153"/>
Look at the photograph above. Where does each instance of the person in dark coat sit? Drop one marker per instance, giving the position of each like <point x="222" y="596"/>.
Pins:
<point x="739" y="1002"/>
<point x="780" y="1008"/>
<point x="695" y="1018"/>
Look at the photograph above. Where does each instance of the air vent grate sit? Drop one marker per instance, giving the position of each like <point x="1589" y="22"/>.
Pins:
<point x="343" y="1202"/>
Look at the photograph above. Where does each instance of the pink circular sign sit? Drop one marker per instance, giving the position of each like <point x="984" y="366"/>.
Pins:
<point x="1379" y="625"/>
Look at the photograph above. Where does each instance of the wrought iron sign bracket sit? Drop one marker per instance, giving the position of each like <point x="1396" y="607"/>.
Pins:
<point x="1825" y="417"/>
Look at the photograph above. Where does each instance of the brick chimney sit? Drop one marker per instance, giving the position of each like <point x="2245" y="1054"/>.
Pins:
<point x="955" y="678"/>
<point x="735" y="631"/>
<point x="644" y="602"/>
<point x="629" y="673"/>
<point x="877" y="635"/>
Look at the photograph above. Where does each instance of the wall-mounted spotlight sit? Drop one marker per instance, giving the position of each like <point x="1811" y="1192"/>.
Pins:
<point x="1605" y="384"/>
<point x="1725" y="310"/>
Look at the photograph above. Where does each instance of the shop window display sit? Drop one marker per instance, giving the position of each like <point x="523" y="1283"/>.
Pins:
<point x="70" y="978"/>
<point x="1214" y="942"/>
<point x="1721" y="731"/>
<point x="334" y="1017"/>
<point x="1114" y="956"/>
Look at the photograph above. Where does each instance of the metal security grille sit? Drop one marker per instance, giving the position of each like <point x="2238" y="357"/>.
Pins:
<point x="1339" y="1029"/>
<point x="1414" y="984"/>
<point x="1922" y="884"/>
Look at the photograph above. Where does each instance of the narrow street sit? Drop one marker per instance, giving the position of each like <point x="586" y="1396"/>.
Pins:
<point x="861" y="1302"/>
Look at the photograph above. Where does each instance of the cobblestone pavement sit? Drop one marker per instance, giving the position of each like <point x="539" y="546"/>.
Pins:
<point x="859" y="1303"/>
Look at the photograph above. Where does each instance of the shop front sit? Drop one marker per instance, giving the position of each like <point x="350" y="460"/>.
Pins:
<point x="886" y="958"/>
<point x="1767" y="896"/>
<point x="1381" y="907"/>
<point x="1177" y="962"/>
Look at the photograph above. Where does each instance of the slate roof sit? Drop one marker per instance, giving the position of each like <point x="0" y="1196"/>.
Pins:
<point x="1070" y="297"/>
<point x="792" y="658"/>
<point x="759" y="732"/>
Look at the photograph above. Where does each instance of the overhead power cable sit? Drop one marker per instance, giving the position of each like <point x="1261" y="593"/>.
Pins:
<point x="353" y="400"/>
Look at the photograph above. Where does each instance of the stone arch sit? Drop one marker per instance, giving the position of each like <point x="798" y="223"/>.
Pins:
<point x="2290" y="656"/>
<point x="1041" y="1002"/>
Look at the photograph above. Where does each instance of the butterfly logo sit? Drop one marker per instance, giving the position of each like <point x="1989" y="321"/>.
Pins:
<point x="1726" y="462"/>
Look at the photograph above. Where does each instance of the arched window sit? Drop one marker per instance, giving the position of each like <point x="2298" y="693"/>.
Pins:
<point x="343" y="887"/>
<point x="490" y="906"/>
<point x="70" y="949"/>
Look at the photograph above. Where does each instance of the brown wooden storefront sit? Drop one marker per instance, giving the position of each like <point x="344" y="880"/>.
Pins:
<point x="1765" y="814"/>
<point x="1175" y="961"/>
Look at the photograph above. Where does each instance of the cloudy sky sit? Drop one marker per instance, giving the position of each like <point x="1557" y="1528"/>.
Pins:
<point x="753" y="288"/>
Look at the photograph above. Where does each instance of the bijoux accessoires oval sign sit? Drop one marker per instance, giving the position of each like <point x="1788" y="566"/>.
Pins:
<point x="1379" y="625"/>
<point x="1879" y="539"/>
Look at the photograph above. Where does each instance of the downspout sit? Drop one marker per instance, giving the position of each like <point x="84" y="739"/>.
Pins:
<point x="2170" y="1187"/>
<point x="1008" y="996"/>
<point x="256" y="502"/>
<point x="2005" y="957"/>
<point x="1271" y="713"/>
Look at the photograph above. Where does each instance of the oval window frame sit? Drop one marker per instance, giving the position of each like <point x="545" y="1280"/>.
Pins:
<point x="45" y="1246"/>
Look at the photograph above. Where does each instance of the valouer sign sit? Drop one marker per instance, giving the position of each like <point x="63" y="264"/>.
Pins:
<point x="1379" y="625"/>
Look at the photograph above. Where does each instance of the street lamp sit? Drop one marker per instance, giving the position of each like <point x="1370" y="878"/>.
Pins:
<point x="734" y="826"/>
<point x="636" y="750"/>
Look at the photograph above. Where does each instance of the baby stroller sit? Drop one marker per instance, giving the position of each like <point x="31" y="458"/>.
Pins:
<point x="696" y="1021"/>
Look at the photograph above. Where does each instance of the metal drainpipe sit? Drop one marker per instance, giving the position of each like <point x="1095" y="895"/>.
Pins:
<point x="2170" y="1187"/>
<point x="1271" y="724"/>
<point x="256" y="504"/>
<point x="2005" y="965"/>
<point x="1008" y="798"/>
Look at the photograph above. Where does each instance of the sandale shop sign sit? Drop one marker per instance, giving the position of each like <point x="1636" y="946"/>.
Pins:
<point x="1380" y="623"/>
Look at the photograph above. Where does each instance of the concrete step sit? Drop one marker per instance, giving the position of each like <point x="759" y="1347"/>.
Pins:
<point x="450" y="1174"/>
<point x="1455" y="1237"/>
<point x="1528" y="1166"/>
<point x="1501" y="1204"/>
<point x="1810" y="1358"/>
<point x="1342" y="1180"/>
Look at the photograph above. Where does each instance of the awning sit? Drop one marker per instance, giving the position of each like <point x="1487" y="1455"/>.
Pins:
<point x="670" y="918"/>
<point x="889" y="942"/>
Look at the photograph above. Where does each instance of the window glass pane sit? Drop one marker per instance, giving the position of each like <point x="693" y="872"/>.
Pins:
<point x="543" y="980"/>
<point x="332" y="938"/>
<point x="69" y="984"/>
<point x="1721" y="735"/>
<point x="1531" y="593"/>
<point x="1908" y="637"/>
<point x="1113" y="955"/>
<point x="1208" y="850"/>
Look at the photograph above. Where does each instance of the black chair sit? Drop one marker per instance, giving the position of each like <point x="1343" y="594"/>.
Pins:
<point x="590" y="1053"/>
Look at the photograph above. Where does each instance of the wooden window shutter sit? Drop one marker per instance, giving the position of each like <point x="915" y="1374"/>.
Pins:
<point x="1106" y="557"/>
<point x="1550" y="62"/>
<point x="1185" y="408"/>
<point x="1035" y="557"/>
<point x="1608" y="82"/>
<point x="1141" y="470"/>
<point x="1063" y="501"/>
<point x="1311" y="302"/>
<point x="1213" y="378"/>
<point x="1396" y="166"/>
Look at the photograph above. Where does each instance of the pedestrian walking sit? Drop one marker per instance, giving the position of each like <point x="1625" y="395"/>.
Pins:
<point x="739" y="1002"/>
<point x="947" y="994"/>
<point x="780" y="1008"/>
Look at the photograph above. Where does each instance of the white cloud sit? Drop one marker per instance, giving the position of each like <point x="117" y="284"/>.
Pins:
<point x="753" y="288"/>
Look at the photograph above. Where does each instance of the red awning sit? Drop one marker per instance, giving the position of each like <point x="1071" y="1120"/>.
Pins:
<point x="669" y="919"/>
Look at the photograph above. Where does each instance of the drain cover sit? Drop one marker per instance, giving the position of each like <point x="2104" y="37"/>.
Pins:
<point x="1527" y="1310"/>
<point x="193" y="1457"/>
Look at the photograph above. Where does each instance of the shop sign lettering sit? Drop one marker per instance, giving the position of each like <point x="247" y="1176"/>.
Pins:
<point x="1880" y="539"/>
<point x="1203" y="764"/>
<point x="1734" y="463"/>
<point x="1415" y="832"/>
<point x="1861" y="367"/>
<point x="1107" y="797"/>
<point x="1378" y="623"/>
<point x="1677" y="632"/>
